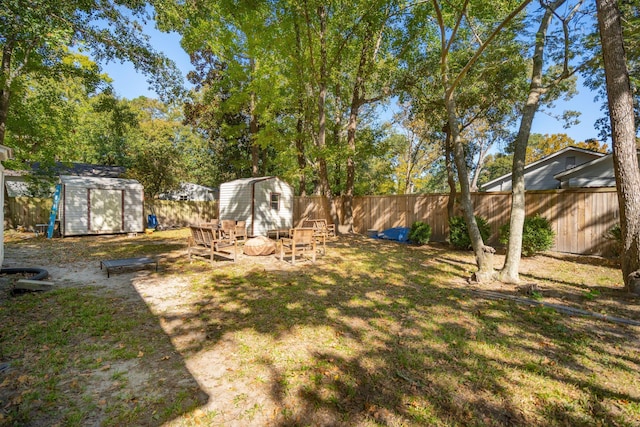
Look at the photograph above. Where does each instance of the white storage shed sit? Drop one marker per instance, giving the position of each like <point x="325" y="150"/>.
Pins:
<point x="90" y="205"/>
<point x="265" y="203"/>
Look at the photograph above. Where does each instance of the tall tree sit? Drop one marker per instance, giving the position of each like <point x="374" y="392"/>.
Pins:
<point x="162" y="151"/>
<point x="625" y="159"/>
<point x="35" y="34"/>
<point x="509" y="272"/>
<point x="369" y="75"/>
<point x="488" y="97"/>
<point x="450" y="22"/>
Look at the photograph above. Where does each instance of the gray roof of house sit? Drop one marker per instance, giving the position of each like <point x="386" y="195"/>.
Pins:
<point x="84" y="169"/>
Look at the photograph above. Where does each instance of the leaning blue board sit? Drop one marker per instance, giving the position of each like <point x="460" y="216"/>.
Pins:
<point x="54" y="211"/>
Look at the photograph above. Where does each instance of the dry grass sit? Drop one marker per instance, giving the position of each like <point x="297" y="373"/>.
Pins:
<point x="374" y="333"/>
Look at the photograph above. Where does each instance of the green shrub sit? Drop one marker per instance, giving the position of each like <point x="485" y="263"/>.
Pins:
<point x="537" y="235"/>
<point x="420" y="233"/>
<point x="458" y="234"/>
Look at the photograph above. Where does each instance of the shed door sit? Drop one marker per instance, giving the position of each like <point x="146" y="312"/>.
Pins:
<point x="105" y="214"/>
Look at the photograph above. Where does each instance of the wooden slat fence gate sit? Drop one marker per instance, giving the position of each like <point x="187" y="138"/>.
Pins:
<point x="580" y="218"/>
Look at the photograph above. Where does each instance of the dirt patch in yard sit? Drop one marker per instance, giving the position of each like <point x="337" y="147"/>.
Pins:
<point x="373" y="333"/>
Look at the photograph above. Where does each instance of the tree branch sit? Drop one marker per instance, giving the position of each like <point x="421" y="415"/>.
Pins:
<point x="484" y="46"/>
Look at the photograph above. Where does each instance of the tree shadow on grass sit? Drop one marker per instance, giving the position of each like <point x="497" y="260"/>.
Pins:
<point x="366" y="336"/>
<point x="90" y="356"/>
<point x="582" y="292"/>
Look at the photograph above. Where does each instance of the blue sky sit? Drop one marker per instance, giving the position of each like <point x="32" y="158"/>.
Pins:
<point x="130" y="84"/>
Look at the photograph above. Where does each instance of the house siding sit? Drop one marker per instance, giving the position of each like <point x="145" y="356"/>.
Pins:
<point x="191" y="192"/>
<point x="598" y="173"/>
<point x="235" y="201"/>
<point x="267" y="218"/>
<point x="541" y="176"/>
<point x="134" y="212"/>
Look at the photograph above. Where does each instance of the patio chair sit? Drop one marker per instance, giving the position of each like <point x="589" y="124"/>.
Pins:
<point x="210" y="242"/>
<point x="225" y="246"/>
<point x="241" y="230"/>
<point x="329" y="229"/>
<point x="196" y="237"/>
<point x="196" y="242"/>
<point x="319" y="233"/>
<point x="302" y="240"/>
<point x="214" y="223"/>
<point x="228" y="229"/>
<point x="321" y="226"/>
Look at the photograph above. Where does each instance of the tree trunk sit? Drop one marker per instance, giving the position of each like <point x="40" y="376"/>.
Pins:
<point x="322" y="120"/>
<point x="625" y="159"/>
<point x="483" y="253"/>
<point x="510" y="270"/>
<point x="5" y="90"/>
<point x="253" y="129"/>
<point x="356" y="102"/>
<point x="451" y="180"/>
<point x="351" y="168"/>
<point x="299" y="140"/>
<point x="406" y="188"/>
<point x="335" y="140"/>
<point x="302" y="161"/>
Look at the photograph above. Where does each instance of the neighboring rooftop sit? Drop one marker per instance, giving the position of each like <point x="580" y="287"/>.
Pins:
<point x="17" y="185"/>
<point x="84" y="169"/>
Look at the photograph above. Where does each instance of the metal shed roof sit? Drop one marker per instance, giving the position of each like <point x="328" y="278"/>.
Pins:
<point x="104" y="183"/>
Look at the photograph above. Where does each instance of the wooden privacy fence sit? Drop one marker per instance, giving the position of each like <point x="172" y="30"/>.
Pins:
<point x="579" y="217"/>
<point x="29" y="211"/>
<point x="26" y="212"/>
<point x="180" y="213"/>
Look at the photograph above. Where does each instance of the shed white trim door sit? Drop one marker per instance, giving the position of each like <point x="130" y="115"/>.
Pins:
<point x="105" y="214"/>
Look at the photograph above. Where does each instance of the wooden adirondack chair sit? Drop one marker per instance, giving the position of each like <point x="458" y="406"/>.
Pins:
<point x="321" y="226"/>
<point x="301" y="241"/>
<point x="228" y="228"/>
<point x="241" y="230"/>
<point x="210" y="242"/>
<point x="319" y="234"/>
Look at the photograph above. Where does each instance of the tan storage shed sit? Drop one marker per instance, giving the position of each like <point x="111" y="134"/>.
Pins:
<point x="90" y="205"/>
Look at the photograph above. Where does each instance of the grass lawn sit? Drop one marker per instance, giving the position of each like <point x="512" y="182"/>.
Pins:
<point x="373" y="334"/>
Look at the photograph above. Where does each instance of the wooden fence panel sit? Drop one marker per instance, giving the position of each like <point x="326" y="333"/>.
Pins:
<point x="172" y="213"/>
<point x="580" y="218"/>
<point x="26" y="212"/>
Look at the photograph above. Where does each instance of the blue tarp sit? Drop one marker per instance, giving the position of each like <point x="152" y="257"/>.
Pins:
<point x="152" y="221"/>
<point x="400" y="234"/>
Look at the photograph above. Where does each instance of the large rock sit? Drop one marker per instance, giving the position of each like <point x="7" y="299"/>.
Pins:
<point x="260" y="245"/>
